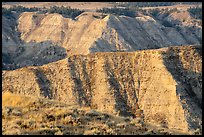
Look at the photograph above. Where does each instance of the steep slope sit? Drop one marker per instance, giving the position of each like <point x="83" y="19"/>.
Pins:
<point x="9" y="34"/>
<point x="52" y="37"/>
<point x="190" y="28"/>
<point x="16" y="53"/>
<point x="70" y="34"/>
<point x="163" y="86"/>
<point x="96" y="32"/>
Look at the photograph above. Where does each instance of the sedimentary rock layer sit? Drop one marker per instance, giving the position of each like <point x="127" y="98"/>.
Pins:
<point x="162" y="86"/>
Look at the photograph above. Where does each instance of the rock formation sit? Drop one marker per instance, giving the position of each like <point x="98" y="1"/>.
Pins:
<point x="95" y="32"/>
<point x="135" y="68"/>
<point x="89" y="32"/>
<point x="163" y="86"/>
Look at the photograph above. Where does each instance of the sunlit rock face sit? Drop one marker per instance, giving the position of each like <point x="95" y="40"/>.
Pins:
<point x="163" y="86"/>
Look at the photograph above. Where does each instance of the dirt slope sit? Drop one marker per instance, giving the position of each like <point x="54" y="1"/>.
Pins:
<point x="94" y="32"/>
<point x="162" y="87"/>
<point x="52" y="37"/>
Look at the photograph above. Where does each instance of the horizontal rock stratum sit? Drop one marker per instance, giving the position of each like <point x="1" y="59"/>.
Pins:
<point x="163" y="86"/>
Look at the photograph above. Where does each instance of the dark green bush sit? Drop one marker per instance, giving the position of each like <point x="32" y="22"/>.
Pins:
<point x="196" y="12"/>
<point x="167" y="23"/>
<point x="118" y="11"/>
<point x="64" y="11"/>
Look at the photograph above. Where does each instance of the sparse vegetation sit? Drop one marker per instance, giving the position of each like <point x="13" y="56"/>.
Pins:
<point x="64" y="11"/>
<point x="152" y="4"/>
<point x="18" y="9"/>
<point x="49" y="117"/>
<point x="196" y="12"/>
<point x="157" y="11"/>
<point x="118" y="11"/>
<point x="167" y="23"/>
<point x="6" y="11"/>
<point x="144" y="4"/>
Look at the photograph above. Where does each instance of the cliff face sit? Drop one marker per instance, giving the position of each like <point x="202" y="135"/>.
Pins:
<point x="161" y="86"/>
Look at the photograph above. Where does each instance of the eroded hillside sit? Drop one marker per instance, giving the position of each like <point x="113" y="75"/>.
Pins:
<point x="52" y="37"/>
<point x="17" y="54"/>
<point x="96" y="32"/>
<point x="162" y="87"/>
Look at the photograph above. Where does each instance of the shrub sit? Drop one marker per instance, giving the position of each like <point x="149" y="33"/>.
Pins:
<point x="196" y="12"/>
<point x="65" y="11"/>
<point x="118" y="11"/>
<point x="166" y="23"/>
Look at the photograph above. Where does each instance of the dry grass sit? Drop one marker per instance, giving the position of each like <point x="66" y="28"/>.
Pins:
<point x="28" y="115"/>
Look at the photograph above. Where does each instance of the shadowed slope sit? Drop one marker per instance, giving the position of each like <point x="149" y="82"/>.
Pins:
<point x="186" y="68"/>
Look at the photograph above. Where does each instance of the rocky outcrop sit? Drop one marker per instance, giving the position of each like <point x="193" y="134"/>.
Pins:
<point x="162" y="86"/>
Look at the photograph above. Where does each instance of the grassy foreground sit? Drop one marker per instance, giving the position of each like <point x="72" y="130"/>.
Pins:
<point x="29" y="115"/>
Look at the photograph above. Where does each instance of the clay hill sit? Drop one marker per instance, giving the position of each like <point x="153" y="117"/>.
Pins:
<point x="162" y="87"/>
<point x="99" y="73"/>
<point x="98" y="32"/>
<point x="53" y="37"/>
